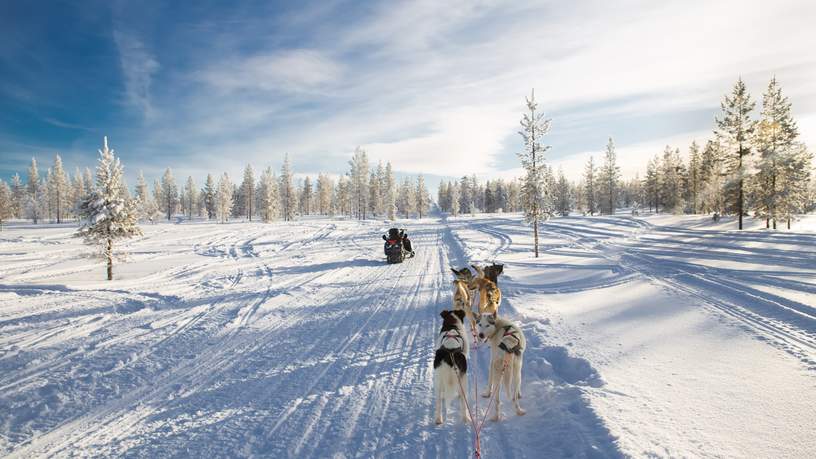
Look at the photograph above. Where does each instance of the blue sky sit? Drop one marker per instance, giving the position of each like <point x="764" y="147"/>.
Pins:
<point x="434" y="87"/>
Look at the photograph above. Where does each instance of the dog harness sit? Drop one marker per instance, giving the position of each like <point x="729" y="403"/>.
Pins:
<point x="510" y="341"/>
<point x="452" y="336"/>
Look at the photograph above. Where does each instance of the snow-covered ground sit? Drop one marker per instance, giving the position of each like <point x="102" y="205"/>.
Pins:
<point x="655" y="336"/>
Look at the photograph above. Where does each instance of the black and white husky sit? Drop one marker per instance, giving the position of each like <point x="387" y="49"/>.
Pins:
<point x="450" y="365"/>
<point x="507" y="344"/>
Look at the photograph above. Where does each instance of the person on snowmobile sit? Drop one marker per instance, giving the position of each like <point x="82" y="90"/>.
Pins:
<point x="406" y="243"/>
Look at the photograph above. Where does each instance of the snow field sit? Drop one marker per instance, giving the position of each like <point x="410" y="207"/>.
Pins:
<point x="646" y="337"/>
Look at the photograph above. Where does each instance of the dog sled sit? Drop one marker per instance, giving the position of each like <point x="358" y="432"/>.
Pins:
<point x="397" y="245"/>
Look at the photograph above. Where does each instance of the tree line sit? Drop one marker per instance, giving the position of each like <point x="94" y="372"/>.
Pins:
<point x="363" y="192"/>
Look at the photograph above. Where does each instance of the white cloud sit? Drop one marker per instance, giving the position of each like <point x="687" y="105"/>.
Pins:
<point x="138" y="66"/>
<point x="296" y="70"/>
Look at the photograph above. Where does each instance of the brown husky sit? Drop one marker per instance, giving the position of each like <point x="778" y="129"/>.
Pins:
<point x="462" y="300"/>
<point x="489" y="293"/>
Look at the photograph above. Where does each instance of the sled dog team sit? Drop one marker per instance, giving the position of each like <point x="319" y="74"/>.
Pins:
<point x="506" y="340"/>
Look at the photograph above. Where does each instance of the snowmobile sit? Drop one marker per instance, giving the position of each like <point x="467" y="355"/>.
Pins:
<point x="397" y="245"/>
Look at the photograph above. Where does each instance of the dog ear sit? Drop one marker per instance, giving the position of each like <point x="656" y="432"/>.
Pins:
<point x="478" y="270"/>
<point x="455" y="272"/>
<point x="444" y="313"/>
<point x="460" y="314"/>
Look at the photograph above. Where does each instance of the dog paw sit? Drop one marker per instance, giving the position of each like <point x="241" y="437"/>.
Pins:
<point x="495" y="418"/>
<point x="486" y="394"/>
<point x="467" y="420"/>
<point x="438" y="421"/>
<point x="520" y="412"/>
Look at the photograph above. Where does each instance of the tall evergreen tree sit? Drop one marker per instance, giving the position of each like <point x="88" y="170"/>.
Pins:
<point x="563" y="204"/>
<point x="170" y="195"/>
<point x="111" y="216"/>
<point x="268" y="194"/>
<point x="608" y="179"/>
<point x="34" y="199"/>
<point x="18" y="195"/>
<point x="209" y="193"/>
<point x="775" y="135"/>
<point x="358" y="176"/>
<point x="224" y="198"/>
<point x="248" y="192"/>
<point x="390" y="201"/>
<point x="734" y="130"/>
<point x="6" y="206"/>
<point x="590" y="186"/>
<point x="190" y="197"/>
<point x="288" y="199"/>
<point x="695" y="178"/>
<point x="423" y="198"/>
<point x="535" y="196"/>
<point x="58" y="185"/>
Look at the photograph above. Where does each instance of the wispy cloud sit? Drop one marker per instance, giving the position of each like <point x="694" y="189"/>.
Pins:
<point x="297" y="70"/>
<point x="138" y="67"/>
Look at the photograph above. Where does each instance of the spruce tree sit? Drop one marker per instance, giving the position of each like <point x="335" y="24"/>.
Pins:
<point x="590" y="188"/>
<point x="209" y="193"/>
<point x="247" y="192"/>
<point x="6" y="206"/>
<point x="608" y="179"/>
<point x="775" y="135"/>
<point x="169" y="196"/>
<point x="734" y="130"/>
<point x="111" y="216"/>
<point x="288" y="200"/>
<point x="535" y="197"/>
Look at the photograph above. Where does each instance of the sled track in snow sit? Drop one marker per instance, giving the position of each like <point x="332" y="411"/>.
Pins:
<point x="792" y="338"/>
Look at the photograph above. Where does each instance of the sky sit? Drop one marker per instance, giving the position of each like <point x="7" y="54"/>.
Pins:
<point x="433" y="87"/>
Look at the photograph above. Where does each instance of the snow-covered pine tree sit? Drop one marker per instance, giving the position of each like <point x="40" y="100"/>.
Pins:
<point x="407" y="198"/>
<point x="713" y="178"/>
<point x="247" y="192"/>
<point x="358" y="175"/>
<point x="775" y="134"/>
<point x="325" y="191"/>
<point x="465" y="194"/>
<point x="590" y="188"/>
<point x="77" y="195"/>
<point x="111" y="217"/>
<point x="224" y="199"/>
<point x="34" y="189"/>
<point x="671" y="190"/>
<point x="534" y="194"/>
<point x="793" y="181"/>
<point x="390" y="193"/>
<point x="190" y="196"/>
<point x="442" y="195"/>
<point x="170" y="196"/>
<point x="342" y="196"/>
<point x="268" y="195"/>
<point x="454" y="198"/>
<point x="288" y="198"/>
<point x="652" y="184"/>
<point x="608" y="180"/>
<point x="306" y="196"/>
<point x="209" y="193"/>
<point x="58" y="185"/>
<point x="563" y="201"/>
<point x="375" y="198"/>
<point x="476" y="194"/>
<point x="734" y="130"/>
<point x="423" y="197"/>
<point x="6" y="206"/>
<point x="143" y="197"/>
<point x="18" y="193"/>
<point x="695" y="178"/>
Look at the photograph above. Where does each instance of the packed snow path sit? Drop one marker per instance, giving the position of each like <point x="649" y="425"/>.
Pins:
<point x="298" y="340"/>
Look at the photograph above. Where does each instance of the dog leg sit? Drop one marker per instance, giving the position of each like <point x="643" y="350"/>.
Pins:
<point x="517" y="387"/>
<point x="438" y="407"/>
<point x="490" y="377"/>
<point x="463" y="401"/>
<point x="497" y="414"/>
